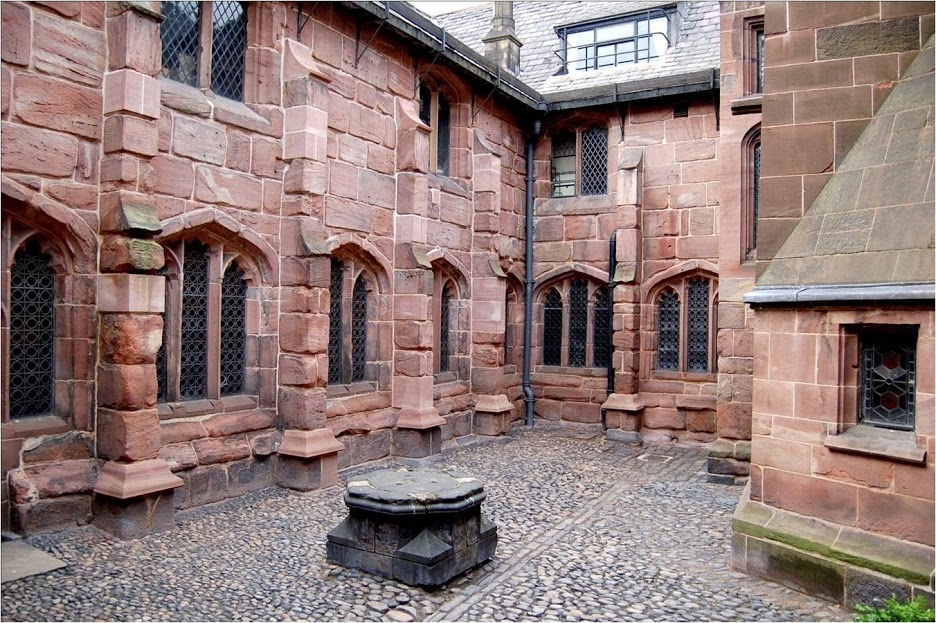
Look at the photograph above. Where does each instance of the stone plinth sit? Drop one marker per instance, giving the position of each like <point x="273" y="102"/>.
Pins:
<point x="419" y="526"/>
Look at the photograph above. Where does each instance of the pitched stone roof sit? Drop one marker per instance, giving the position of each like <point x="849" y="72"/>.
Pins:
<point x="873" y="221"/>
<point x="697" y="47"/>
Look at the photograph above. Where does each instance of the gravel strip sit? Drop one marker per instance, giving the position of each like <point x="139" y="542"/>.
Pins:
<point x="589" y="530"/>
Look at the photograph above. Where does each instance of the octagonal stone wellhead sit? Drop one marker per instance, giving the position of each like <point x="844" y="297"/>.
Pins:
<point x="419" y="526"/>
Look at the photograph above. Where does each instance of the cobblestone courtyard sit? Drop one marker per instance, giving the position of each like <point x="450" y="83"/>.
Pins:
<point x="589" y="530"/>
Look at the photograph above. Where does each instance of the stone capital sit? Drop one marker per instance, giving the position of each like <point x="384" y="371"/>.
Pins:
<point x="419" y="419"/>
<point x="307" y="444"/>
<point x="130" y="480"/>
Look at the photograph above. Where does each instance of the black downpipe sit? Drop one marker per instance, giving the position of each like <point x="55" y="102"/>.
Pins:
<point x="528" y="396"/>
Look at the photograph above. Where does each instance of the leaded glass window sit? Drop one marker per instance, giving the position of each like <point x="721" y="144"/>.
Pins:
<point x="32" y="332"/>
<point x="578" y="323"/>
<point x="358" y="331"/>
<point x="335" y="334"/>
<point x="755" y="186"/>
<point x="445" y="329"/>
<point x="888" y="380"/>
<point x="563" y="165"/>
<point x="233" y="331"/>
<point x="552" y="329"/>
<point x="601" y="329"/>
<point x="215" y="59"/>
<point x="193" y="378"/>
<point x="759" y="60"/>
<point x="595" y="161"/>
<point x="697" y="355"/>
<point x="668" y="331"/>
<point x="162" y="362"/>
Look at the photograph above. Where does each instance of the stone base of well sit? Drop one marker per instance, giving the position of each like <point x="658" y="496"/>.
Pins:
<point x="419" y="526"/>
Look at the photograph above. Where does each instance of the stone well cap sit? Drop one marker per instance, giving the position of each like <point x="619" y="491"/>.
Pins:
<point x="408" y="491"/>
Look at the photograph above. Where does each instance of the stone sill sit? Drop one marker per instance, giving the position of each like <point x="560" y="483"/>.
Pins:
<point x="666" y="375"/>
<point x="747" y="104"/>
<point x="205" y="406"/>
<point x="448" y="184"/>
<point x="591" y="204"/>
<point x="350" y="389"/>
<point x="34" y="426"/>
<point x="843" y="544"/>
<point x="585" y="371"/>
<point x="882" y="443"/>
<point x="187" y="99"/>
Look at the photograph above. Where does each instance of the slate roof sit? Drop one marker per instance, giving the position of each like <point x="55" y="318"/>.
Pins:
<point x="696" y="48"/>
<point x="873" y="220"/>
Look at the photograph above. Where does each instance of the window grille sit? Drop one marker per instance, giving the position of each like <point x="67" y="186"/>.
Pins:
<point x="563" y="165"/>
<point x="444" y="134"/>
<point x="755" y="199"/>
<point x="193" y="375"/>
<point x="601" y="330"/>
<point x="358" y="331"/>
<point x="162" y="365"/>
<point x="578" y="323"/>
<point x="228" y="46"/>
<point x="888" y="380"/>
<point x="233" y="331"/>
<point x="334" y="324"/>
<point x="552" y="329"/>
<point x="595" y="161"/>
<point x="179" y="34"/>
<point x="668" y="331"/>
<point x="697" y="356"/>
<point x="32" y="333"/>
<point x="445" y="334"/>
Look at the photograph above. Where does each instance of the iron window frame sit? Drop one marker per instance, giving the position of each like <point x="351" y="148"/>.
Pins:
<point x="646" y="15"/>
<point x="564" y="289"/>
<point x="440" y="128"/>
<point x="351" y="370"/>
<point x="871" y="336"/>
<point x="579" y="161"/>
<point x="681" y="287"/>
<point x="750" y="196"/>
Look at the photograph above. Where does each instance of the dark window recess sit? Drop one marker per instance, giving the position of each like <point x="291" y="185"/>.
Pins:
<point x="425" y="104"/>
<point x="888" y="380"/>
<point x="755" y="198"/>
<point x="32" y="333"/>
<point x="668" y="331"/>
<point x="680" y="110"/>
<point x="444" y="134"/>
<point x="578" y="323"/>
<point x="445" y="330"/>
<point x="233" y="331"/>
<point x="759" y="61"/>
<point x="162" y="364"/>
<point x="358" y="331"/>
<point x="552" y="329"/>
<point x="563" y="165"/>
<point x="595" y="161"/>
<point x="193" y="377"/>
<point x="601" y="334"/>
<point x="697" y="355"/>
<point x="179" y="34"/>
<point x="334" y="324"/>
<point x="228" y="47"/>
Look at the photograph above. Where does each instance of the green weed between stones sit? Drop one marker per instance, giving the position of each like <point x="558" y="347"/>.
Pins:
<point x="894" y="610"/>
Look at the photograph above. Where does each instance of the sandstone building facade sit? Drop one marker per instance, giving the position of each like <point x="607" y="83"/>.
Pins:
<point x="250" y="244"/>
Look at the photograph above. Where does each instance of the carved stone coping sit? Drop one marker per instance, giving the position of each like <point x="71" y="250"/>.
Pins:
<point x="630" y="403"/>
<point x="414" y="491"/>
<point x="308" y="444"/>
<point x="498" y="403"/>
<point x="130" y="480"/>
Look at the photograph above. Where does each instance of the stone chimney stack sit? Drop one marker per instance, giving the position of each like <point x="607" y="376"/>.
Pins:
<point x="501" y="44"/>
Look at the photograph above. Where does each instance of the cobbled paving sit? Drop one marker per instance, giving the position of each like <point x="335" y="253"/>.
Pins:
<point x="588" y="530"/>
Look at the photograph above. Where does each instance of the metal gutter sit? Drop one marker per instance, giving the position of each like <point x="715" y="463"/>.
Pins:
<point x="857" y="293"/>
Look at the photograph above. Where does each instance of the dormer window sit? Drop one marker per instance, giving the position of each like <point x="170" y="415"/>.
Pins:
<point x="635" y="38"/>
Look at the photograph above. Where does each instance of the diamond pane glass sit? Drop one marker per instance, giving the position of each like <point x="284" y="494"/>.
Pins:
<point x="601" y="330"/>
<point x="888" y="381"/>
<point x="697" y="355"/>
<point x="578" y="323"/>
<point x="358" y="331"/>
<point x="445" y="330"/>
<point x="162" y="366"/>
<point x="193" y="377"/>
<point x="32" y="332"/>
<point x="668" y="331"/>
<point x="179" y="34"/>
<point x="755" y="200"/>
<point x="228" y="46"/>
<point x="334" y="324"/>
<point x="563" y="165"/>
<point x="595" y="161"/>
<point x="552" y="329"/>
<point x="233" y="331"/>
<point x="444" y="134"/>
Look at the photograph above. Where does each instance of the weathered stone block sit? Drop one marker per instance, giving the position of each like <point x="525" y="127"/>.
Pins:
<point x="128" y="435"/>
<point x="221" y="450"/>
<point x="134" y="518"/>
<point x="54" y="514"/>
<point x="249" y="475"/>
<point x="417" y="443"/>
<point x="73" y="445"/>
<point x="58" y="105"/>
